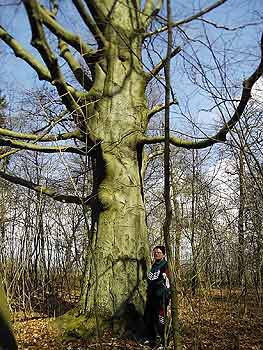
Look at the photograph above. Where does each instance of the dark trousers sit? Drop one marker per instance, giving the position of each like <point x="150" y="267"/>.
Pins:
<point x="154" y="316"/>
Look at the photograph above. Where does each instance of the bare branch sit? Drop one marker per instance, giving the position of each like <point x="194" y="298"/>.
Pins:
<point x="222" y="133"/>
<point x="161" y="64"/>
<point x="220" y="26"/>
<point x="18" y="145"/>
<point x="41" y="138"/>
<point x="97" y="13"/>
<point x="157" y="109"/>
<point x="35" y="147"/>
<point x="19" y="51"/>
<point x="22" y="53"/>
<point x="67" y="94"/>
<point x="70" y="38"/>
<point x="187" y="19"/>
<point x="91" y="24"/>
<point x="74" y="65"/>
<point x="45" y="190"/>
<point x="176" y="141"/>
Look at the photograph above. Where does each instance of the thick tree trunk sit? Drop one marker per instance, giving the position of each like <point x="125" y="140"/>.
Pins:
<point x="117" y="258"/>
<point x="118" y="253"/>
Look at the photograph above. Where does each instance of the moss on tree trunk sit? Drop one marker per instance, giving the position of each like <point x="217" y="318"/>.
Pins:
<point x="113" y="287"/>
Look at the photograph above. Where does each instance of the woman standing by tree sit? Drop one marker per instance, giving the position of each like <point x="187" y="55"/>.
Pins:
<point x="157" y="297"/>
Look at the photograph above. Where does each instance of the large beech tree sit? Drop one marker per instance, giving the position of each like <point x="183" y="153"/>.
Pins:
<point x="111" y="115"/>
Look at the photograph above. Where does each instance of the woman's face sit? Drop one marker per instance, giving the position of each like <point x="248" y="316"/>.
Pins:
<point x="158" y="254"/>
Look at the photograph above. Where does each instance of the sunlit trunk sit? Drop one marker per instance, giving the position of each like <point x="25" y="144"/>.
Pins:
<point x="118" y="253"/>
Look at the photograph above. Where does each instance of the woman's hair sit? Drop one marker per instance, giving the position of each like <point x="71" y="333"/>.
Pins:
<point x="161" y="247"/>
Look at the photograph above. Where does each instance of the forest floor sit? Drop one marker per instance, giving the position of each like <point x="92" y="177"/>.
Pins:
<point x="215" y="320"/>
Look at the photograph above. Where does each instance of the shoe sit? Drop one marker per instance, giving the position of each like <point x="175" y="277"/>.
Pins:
<point x="149" y="343"/>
